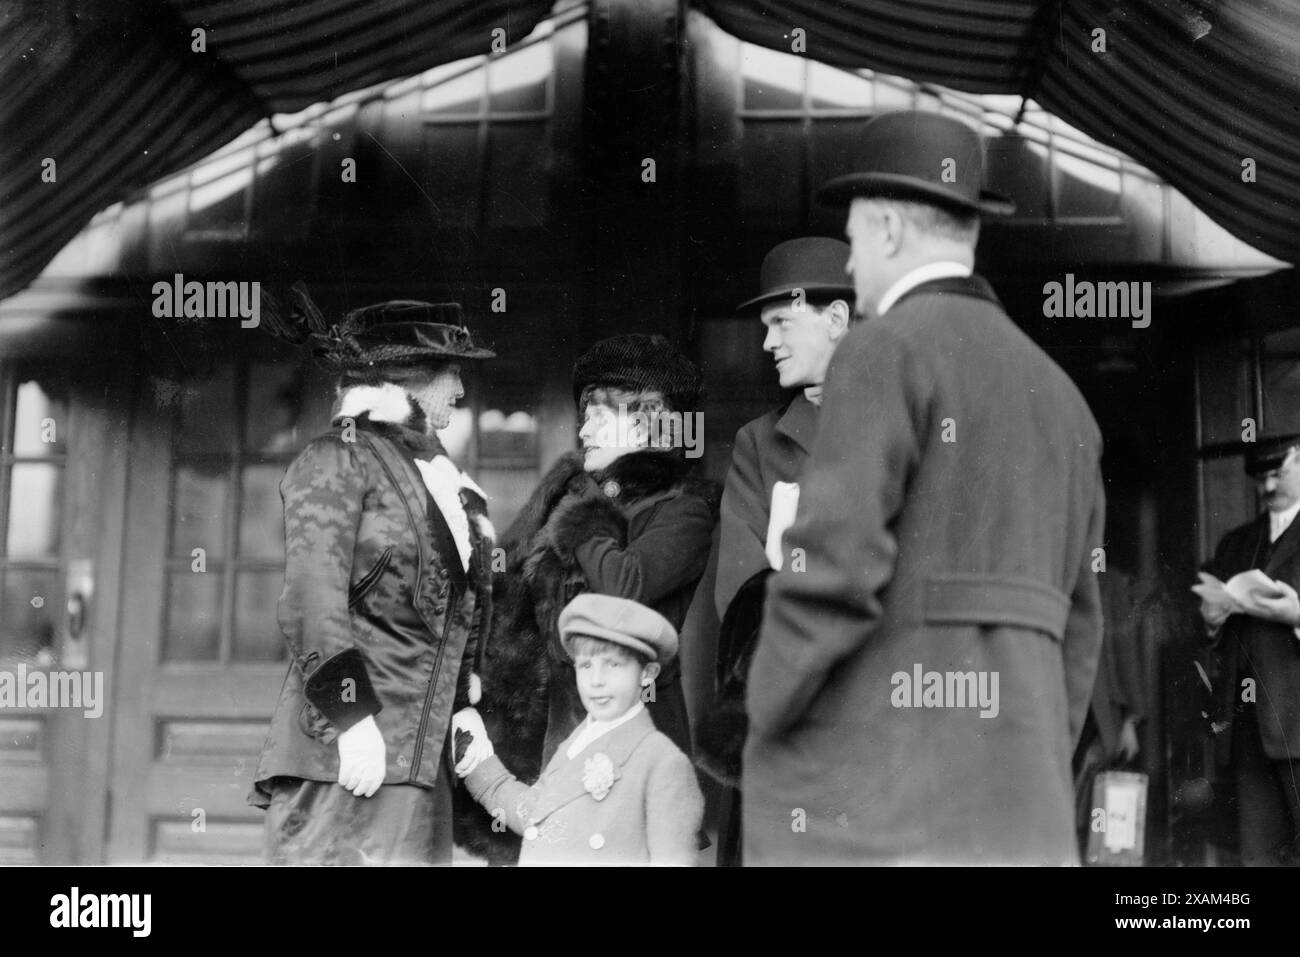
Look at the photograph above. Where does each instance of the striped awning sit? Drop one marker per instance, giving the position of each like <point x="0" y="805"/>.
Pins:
<point x="1204" y="93"/>
<point x="117" y="95"/>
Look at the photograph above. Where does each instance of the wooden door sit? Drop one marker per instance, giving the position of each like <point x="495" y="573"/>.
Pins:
<point x="203" y="568"/>
<point x="62" y="468"/>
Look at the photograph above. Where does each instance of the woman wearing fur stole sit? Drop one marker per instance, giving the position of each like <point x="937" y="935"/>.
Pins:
<point x="621" y="517"/>
<point x="387" y="591"/>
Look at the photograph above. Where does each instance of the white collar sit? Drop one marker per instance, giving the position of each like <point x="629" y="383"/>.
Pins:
<point x="1279" y="522"/>
<point x="943" y="269"/>
<point x="592" y="730"/>
<point x="386" y="402"/>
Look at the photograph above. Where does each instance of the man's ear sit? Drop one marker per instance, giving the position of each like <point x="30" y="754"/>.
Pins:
<point x="649" y="673"/>
<point x="893" y="225"/>
<point x="838" y="314"/>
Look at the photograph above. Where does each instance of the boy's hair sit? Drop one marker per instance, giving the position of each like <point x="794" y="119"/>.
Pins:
<point x="591" y="645"/>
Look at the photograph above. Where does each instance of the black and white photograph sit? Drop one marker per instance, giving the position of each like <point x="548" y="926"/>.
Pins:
<point x="702" y="433"/>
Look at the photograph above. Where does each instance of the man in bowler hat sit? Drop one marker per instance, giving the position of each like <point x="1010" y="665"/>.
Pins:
<point x="803" y="302"/>
<point x="946" y="530"/>
<point x="1258" y="646"/>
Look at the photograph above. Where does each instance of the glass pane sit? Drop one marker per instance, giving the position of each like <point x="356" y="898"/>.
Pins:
<point x="1281" y="374"/>
<point x="35" y="499"/>
<point x="453" y="174"/>
<point x="463" y="94"/>
<point x="834" y="89"/>
<point x="1229" y="498"/>
<point x="519" y="190"/>
<point x="1017" y="168"/>
<point x="207" y="422"/>
<point x="199" y="516"/>
<point x="834" y="150"/>
<point x="517" y="82"/>
<point x="1225" y="391"/>
<point x="894" y="93"/>
<point x="275" y="408"/>
<point x="261" y="513"/>
<point x="1088" y="181"/>
<point x="771" y="171"/>
<point x="257" y="633"/>
<point x="773" y="81"/>
<point x="1281" y="395"/>
<point x="283" y="190"/>
<point x="507" y="434"/>
<point x="29" y="610"/>
<point x="41" y="416"/>
<point x="193" y="623"/>
<point x="218" y="193"/>
<point x="511" y="436"/>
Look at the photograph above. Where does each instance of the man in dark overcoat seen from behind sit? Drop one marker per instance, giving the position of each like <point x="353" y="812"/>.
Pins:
<point x="928" y="651"/>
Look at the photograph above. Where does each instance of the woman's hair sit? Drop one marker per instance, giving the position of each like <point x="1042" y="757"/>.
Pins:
<point x="591" y="645"/>
<point x="403" y="374"/>
<point x="651" y="403"/>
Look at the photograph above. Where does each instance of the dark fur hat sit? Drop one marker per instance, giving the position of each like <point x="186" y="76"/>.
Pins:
<point x="640" y="362"/>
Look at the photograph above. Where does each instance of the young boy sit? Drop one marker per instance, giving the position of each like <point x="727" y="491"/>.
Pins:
<point x="617" y="791"/>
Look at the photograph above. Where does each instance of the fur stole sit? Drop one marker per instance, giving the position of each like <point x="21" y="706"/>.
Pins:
<point x="524" y="666"/>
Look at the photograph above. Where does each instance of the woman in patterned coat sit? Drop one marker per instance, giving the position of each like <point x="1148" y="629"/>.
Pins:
<point x="387" y="591"/>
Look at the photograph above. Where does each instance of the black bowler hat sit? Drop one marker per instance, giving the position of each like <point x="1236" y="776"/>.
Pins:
<point x="907" y="156"/>
<point x="814" y="264"/>
<point x="1269" y="452"/>
<point x="401" y="332"/>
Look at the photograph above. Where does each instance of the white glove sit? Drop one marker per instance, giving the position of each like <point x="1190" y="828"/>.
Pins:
<point x="480" y="745"/>
<point x="362" y="758"/>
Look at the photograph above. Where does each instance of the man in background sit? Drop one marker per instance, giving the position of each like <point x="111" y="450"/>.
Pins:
<point x="1259" y="652"/>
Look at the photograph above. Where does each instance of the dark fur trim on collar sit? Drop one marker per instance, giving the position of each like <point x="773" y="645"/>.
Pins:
<point x="643" y="473"/>
<point x="421" y="443"/>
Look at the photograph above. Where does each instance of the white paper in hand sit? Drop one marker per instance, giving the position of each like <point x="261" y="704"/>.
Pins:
<point x="785" y="502"/>
<point x="1250" y="586"/>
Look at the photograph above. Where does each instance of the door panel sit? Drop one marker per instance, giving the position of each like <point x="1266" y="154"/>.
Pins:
<point x="205" y="547"/>
<point x="62" y="463"/>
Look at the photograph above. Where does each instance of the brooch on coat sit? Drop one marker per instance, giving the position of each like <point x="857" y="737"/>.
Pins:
<point x="598" y="775"/>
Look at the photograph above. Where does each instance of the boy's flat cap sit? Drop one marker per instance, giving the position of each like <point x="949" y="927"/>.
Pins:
<point x="620" y="620"/>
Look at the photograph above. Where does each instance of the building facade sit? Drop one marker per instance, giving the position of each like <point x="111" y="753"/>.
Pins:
<point x="600" y="177"/>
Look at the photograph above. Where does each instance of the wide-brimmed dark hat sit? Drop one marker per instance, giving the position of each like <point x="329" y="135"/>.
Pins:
<point x="639" y="362"/>
<point x="399" y="332"/>
<point x="814" y="264"/>
<point x="909" y="155"/>
<point x="1269" y="452"/>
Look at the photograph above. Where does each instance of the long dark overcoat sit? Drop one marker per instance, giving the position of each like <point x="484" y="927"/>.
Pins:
<point x="947" y="521"/>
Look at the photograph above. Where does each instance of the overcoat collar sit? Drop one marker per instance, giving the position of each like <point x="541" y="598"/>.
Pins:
<point x="564" y="776"/>
<point x="976" y="287"/>
<point x="798" y="422"/>
<point x="638" y="474"/>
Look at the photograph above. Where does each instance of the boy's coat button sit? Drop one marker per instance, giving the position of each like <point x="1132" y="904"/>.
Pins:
<point x="597" y="841"/>
<point x="530" y="833"/>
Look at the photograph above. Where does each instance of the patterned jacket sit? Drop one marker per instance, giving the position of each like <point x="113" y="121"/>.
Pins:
<point x="380" y="613"/>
